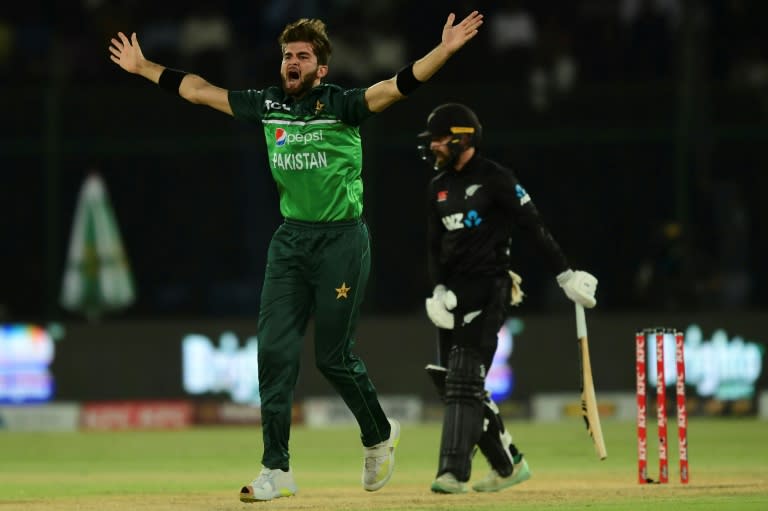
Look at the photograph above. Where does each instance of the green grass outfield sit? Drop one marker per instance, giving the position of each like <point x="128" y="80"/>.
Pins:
<point x="203" y="469"/>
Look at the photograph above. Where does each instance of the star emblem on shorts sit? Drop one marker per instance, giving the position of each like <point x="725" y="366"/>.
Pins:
<point x="341" y="292"/>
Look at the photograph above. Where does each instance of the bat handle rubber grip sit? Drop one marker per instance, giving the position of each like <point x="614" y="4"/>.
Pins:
<point x="581" y="322"/>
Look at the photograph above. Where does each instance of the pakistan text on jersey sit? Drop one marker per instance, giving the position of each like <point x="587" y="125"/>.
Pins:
<point x="299" y="161"/>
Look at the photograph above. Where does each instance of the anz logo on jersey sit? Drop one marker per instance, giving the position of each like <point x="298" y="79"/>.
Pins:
<point x="460" y="221"/>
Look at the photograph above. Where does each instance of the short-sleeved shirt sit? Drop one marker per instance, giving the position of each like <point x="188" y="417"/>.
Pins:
<point x="314" y="147"/>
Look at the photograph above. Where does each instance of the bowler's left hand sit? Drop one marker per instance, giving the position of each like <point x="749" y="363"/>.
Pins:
<point x="456" y="36"/>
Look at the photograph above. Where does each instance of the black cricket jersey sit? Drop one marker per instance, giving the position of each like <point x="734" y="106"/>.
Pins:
<point x="472" y="216"/>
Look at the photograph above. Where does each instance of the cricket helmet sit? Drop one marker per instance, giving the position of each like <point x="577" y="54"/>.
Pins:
<point x="453" y="119"/>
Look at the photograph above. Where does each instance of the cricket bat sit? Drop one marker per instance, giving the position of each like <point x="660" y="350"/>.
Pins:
<point x="588" y="399"/>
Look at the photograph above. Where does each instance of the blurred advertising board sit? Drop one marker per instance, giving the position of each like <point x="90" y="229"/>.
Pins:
<point x="222" y="413"/>
<point x="228" y="366"/>
<point x="120" y="415"/>
<point x="40" y="417"/>
<point x="321" y="411"/>
<point x="26" y="353"/>
<point x="217" y="360"/>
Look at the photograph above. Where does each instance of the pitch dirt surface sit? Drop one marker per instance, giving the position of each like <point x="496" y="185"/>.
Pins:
<point x="202" y="469"/>
<point x="573" y="495"/>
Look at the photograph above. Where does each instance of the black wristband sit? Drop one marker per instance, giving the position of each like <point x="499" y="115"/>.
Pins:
<point x="405" y="81"/>
<point x="170" y="80"/>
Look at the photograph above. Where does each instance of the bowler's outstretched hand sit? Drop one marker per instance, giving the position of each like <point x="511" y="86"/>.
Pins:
<point x="126" y="53"/>
<point x="456" y="36"/>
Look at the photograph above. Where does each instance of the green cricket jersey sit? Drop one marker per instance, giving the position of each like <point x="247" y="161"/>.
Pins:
<point x="314" y="147"/>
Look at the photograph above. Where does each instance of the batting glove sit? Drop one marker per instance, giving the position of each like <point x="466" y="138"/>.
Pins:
<point x="439" y="305"/>
<point x="579" y="286"/>
<point x="516" y="292"/>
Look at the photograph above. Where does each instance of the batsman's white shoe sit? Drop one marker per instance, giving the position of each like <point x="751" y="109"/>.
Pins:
<point x="379" y="460"/>
<point x="447" y="483"/>
<point x="494" y="482"/>
<point x="271" y="484"/>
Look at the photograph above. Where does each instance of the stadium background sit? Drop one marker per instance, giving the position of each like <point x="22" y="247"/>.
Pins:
<point x="637" y="127"/>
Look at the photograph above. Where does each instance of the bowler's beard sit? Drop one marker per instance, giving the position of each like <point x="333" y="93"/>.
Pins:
<point x="305" y="85"/>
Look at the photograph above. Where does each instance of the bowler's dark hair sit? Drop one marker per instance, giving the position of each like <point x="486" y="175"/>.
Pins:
<point x="310" y="31"/>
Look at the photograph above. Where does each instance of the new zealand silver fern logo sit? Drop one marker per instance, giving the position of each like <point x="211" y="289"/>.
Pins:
<point x="470" y="191"/>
